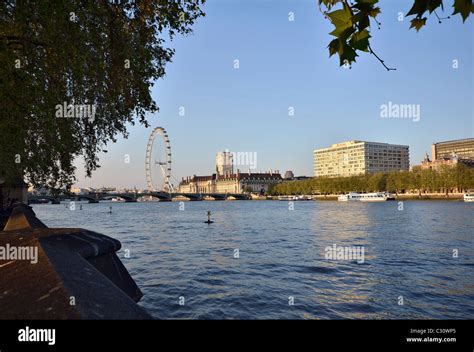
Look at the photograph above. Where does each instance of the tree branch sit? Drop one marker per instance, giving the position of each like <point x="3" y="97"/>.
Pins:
<point x="381" y="61"/>
<point x="441" y="18"/>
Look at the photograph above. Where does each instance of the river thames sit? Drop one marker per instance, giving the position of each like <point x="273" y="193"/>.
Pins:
<point x="261" y="260"/>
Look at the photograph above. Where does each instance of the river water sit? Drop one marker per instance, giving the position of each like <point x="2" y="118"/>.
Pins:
<point x="267" y="259"/>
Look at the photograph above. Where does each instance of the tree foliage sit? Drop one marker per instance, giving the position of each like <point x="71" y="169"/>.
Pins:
<point x="447" y="179"/>
<point x="352" y="23"/>
<point x="105" y="54"/>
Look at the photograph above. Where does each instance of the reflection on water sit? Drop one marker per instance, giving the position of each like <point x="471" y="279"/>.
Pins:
<point x="408" y="254"/>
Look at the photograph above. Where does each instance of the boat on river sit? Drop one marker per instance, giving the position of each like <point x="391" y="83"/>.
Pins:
<point x="468" y="197"/>
<point x="366" y="197"/>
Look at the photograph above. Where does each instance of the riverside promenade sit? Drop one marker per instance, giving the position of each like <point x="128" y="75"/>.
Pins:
<point x="62" y="273"/>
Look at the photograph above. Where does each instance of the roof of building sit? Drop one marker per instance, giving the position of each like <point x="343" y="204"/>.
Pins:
<point x="354" y="142"/>
<point x="455" y="141"/>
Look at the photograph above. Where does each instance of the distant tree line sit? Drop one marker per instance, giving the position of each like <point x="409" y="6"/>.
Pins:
<point x="447" y="179"/>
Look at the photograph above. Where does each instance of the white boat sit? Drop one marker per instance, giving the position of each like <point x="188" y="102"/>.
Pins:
<point x="303" y="198"/>
<point x="469" y="197"/>
<point x="118" y="199"/>
<point x="366" y="197"/>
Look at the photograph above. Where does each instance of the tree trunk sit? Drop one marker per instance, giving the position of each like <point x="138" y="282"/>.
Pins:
<point x="13" y="192"/>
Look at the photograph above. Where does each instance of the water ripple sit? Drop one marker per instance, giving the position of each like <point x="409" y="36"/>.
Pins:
<point x="259" y="260"/>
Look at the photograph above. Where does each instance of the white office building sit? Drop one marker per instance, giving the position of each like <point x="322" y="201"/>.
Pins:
<point x="355" y="158"/>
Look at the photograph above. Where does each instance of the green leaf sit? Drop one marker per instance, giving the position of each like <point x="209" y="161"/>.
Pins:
<point x="341" y="19"/>
<point x="434" y="4"/>
<point x="417" y="23"/>
<point x="347" y="54"/>
<point x="334" y="46"/>
<point x="360" y="40"/>
<point x="361" y="20"/>
<point x="346" y="33"/>
<point x="464" y="7"/>
<point x="366" y="7"/>
<point x="419" y="8"/>
<point x="374" y="12"/>
<point x="329" y="3"/>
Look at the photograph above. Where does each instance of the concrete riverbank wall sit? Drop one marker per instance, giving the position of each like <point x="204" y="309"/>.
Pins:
<point x="62" y="273"/>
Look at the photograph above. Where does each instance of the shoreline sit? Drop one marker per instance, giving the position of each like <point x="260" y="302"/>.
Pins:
<point x="451" y="197"/>
<point x="330" y="197"/>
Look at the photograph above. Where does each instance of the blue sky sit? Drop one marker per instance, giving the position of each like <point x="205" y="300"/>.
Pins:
<point x="285" y="64"/>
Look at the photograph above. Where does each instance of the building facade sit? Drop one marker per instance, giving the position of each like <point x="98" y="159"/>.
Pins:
<point x="235" y="183"/>
<point x="439" y="164"/>
<point x="355" y="158"/>
<point x="224" y="163"/>
<point x="461" y="148"/>
<point x="225" y="180"/>
<point x="198" y="184"/>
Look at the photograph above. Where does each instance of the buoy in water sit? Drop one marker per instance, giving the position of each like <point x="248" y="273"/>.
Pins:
<point x="209" y="221"/>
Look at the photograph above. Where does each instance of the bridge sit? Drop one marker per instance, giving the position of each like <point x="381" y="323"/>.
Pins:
<point x="130" y="197"/>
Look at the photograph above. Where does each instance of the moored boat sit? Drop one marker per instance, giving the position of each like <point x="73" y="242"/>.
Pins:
<point x="366" y="197"/>
<point x="468" y="197"/>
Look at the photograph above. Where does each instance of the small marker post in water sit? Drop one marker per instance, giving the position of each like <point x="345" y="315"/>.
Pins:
<point x="110" y="209"/>
<point x="209" y="221"/>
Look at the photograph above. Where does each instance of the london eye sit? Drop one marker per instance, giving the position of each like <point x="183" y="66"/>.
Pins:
<point x="158" y="162"/>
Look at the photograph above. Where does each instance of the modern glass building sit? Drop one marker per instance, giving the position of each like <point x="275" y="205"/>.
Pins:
<point x="359" y="158"/>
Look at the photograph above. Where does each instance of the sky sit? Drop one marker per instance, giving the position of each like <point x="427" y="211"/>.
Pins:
<point x="285" y="64"/>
